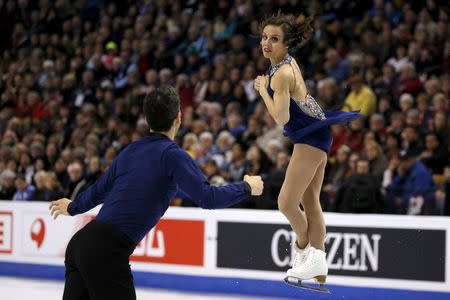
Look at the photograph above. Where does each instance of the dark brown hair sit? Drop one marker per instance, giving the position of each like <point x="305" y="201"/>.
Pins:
<point x="295" y="28"/>
<point x="161" y="107"/>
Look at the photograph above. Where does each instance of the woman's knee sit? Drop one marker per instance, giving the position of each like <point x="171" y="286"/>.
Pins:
<point x="285" y="204"/>
<point x="288" y="204"/>
<point x="282" y="205"/>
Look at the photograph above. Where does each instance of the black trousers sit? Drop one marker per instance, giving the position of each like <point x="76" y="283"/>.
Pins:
<point x="97" y="264"/>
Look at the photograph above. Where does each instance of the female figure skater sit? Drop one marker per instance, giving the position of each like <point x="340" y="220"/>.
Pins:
<point x="307" y="126"/>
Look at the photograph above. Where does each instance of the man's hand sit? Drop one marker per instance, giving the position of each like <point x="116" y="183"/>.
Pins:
<point x="256" y="184"/>
<point x="59" y="207"/>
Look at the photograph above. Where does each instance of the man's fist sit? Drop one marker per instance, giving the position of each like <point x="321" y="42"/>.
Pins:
<point x="256" y="184"/>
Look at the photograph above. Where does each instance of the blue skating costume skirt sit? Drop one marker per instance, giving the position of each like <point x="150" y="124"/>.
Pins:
<point x="304" y="129"/>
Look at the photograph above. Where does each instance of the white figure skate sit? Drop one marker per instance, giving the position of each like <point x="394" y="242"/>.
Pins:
<point x="300" y="255"/>
<point x="313" y="267"/>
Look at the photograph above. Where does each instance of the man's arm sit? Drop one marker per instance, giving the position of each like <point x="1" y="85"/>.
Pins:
<point x="94" y="194"/>
<point x="191" y="181"/>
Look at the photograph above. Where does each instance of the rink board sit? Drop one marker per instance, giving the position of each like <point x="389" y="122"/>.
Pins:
<point x="247" y="252"/>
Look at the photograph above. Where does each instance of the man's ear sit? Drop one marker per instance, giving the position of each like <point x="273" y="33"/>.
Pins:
<point x="179" y="116"/>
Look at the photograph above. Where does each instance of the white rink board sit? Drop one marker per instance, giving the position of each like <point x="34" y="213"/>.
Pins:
<point x="30" y="235"/>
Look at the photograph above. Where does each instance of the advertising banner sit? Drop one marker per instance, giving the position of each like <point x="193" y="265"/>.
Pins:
<point x="415" y="254"/>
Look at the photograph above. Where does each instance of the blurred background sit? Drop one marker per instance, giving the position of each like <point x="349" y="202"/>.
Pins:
<point x="73" y="76"/>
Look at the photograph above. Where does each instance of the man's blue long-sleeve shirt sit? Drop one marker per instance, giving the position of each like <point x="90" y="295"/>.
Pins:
<point x="139" y="184"/>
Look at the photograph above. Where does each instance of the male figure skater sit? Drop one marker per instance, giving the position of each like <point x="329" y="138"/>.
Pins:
<point x="135" y="192"/>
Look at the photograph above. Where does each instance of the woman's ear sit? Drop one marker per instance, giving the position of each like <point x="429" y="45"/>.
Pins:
<point x="179" y="116"/>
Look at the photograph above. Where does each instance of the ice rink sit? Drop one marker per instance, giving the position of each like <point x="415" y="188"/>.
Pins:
<point x="12" y="288"/>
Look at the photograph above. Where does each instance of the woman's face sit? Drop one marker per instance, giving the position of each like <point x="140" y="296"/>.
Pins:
<point x="225" y="88"/>
<point x="49" y="181"/>
<point x="272" y="42"/>
<point x="440" y="120"/>
<point x="236" y="151"/>
<point x="383" y="105"/>
<point x="253" y="154"/>
<point x="372" y="152"/>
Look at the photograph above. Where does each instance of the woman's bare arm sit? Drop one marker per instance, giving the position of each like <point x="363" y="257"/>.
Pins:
<point x="278" y="106"/>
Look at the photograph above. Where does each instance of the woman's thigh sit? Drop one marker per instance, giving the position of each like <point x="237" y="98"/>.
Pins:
<point x="301" y="171"/>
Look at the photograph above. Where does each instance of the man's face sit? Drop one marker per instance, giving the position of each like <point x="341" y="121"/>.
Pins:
<point x="20" y="184"/>
<point x="362" y="167"/>
<point x="409" y="135"/>
<point x="75" y="173"/>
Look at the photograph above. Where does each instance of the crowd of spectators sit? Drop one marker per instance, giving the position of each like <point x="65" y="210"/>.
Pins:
<point x="73" y="76"/>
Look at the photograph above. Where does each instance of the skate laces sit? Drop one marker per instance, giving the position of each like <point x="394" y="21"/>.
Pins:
<point x="300" y="256"/>
<point x="314" y="257"/>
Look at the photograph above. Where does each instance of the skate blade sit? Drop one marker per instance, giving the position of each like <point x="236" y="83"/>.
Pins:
<point x="292" y="281"/>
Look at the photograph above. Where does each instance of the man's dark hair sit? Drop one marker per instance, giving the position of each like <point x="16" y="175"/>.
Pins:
<point x="161" y="107"/>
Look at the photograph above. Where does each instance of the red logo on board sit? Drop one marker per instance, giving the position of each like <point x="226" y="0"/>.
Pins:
<point x="173" y="242"/>
<point x="37" y="232"/>
<point x="6" y="232"/>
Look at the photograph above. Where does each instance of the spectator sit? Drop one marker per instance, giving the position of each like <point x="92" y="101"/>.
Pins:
<point x="191" y="145"/>
<point x="274" y="181"/>
<point x="234" y="169"/>
<point x="7" y="187"/>
<point x="336" y="67"/>
<point x="411" y="140"/>
<point x="24" y="191"/>
<point x="328" y="93"/>
<point x="377" y="161"/>
<point x="361" y="97"/>
<point x="434" y="154"/>
<point x="211" y="171"/>
<point x="39" y="191"/>
<point x="355" y="136"/>
<point x="361" y="193"/>
<point x="66" y="84"/>
<point x="76" y="180"/>
<point x="412" y="188"/>
<point x="406" y="102"/>
<point x="53" y="189"/>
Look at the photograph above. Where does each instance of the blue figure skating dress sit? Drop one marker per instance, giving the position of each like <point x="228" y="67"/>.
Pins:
<point x="308" y="124"/>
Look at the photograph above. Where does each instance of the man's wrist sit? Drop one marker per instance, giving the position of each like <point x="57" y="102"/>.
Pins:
<point x="68" y="209"/>
<point x="248" y="188"/>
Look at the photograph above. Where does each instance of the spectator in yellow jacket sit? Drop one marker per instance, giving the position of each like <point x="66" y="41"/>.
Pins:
<point x="361" y="97"/>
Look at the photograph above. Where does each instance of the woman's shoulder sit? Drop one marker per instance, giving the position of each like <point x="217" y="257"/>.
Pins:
<point x="283" y="73"/>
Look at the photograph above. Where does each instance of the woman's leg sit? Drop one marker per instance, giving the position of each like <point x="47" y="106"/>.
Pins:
<point x="313" y="210"/>
<point x="302" y="167"/>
